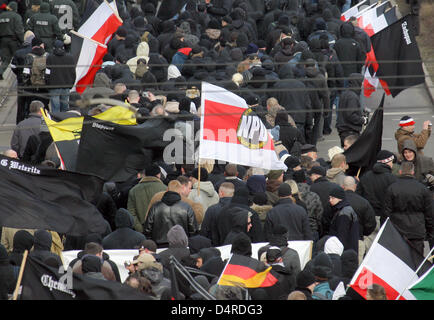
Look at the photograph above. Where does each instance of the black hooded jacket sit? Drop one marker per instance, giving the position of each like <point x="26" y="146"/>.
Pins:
<point x="350" y="114"/>
<point x="23" y="240"/>
<point x="62" y="69"/>
<point x="166" y="213"/>
<point x="124" y="237"/>
<point x="238" y="222"/>
<point x="349" y="50"/>
<point x="42" y="247"/>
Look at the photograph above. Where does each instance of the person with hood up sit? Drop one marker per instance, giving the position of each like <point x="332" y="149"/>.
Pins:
<point x="408" y="204"/>
<point x="349" y="119"/>
<point x="345" y="223"/>
<point x="23" y="240"/>
<point x="42" y="247"/>
<point x="423" y="165"/>
<point x="207" y="195"/>
<point x="60" y="76"/>
<point x="127" y="48"/>
<point x="124" y="237"/>
<point x="406" y="131"/>
<point x="293" y="96"/>
<point x="320" y="30"/>
<point x="177" y="246"/>
<point x="165" y="214"/>
<point x="240" y="222"/>
<point x="349" y="52"/>
<point x="349" y="264"/>
<point x="322" y="270"/>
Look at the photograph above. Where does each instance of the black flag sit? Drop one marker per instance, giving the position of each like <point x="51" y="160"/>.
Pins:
<point x="397" y="52"/>
<point x="44" y="198"/>
<point x="116" y="152"/>
<point x="363" y="152"/>
<point x="42" y="282"/>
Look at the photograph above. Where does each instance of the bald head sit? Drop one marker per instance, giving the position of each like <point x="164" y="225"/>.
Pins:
<point x="349" y="183"/>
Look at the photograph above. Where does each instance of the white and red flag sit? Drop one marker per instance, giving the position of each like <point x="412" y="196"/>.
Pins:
<point x="102" y="23"/>
<point x="390" y="262"/>
<point x="88" y="55"/>
<point x="233" y="132"/>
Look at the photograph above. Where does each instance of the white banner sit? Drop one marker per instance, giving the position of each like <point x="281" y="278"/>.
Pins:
<point x="304" y="249"/>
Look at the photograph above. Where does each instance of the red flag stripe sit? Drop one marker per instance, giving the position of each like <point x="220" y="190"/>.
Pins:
<point x="93" y="69"/>
<point x="366" y="278"/>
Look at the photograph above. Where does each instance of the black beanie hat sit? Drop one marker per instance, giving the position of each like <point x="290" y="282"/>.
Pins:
<point x="305" y="278"/>
<point x="323" y="266"/>
<point x="152" y="170"/>
<point x="337" y="192"/>
<point x="284" y="190"/>
<point x="291" y="162"/>
<point x="385" y="156"/>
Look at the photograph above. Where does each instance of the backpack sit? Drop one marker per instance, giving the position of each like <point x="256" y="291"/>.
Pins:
<point x="37" y="73"/>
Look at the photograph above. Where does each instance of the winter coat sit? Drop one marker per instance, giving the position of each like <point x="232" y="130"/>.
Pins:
<point x="209" y="224"/>
<point x="177" y="245"/>
<point x="124" y="237"/>
<point x="345" y="225"/>
<point x="26" y="128"/>
<point x="165" y="214"/>
<point x="60" y="69"/>
<point x="365" y="213"/>
<point x="207" y="196"/>
<point x="142" y="52"/>
<point x="336" y="175"/>
<point x="7" y="278"/>
<point x="349" y="50"/>
<point x="196" y="206"/>
<point x="408" y="204"/>
<point x="422" y="165"/>
<point x="291" y="216"/>
<point x="42" y="247"/>
<point x="139" y="198"/>
<point x="420" y="139"/>
<point x="224" y="220"/>
<point x="292" y="95"/>
<point x="238" y="220"/>
<point x="313" y="205"/>
<point x="373" y="185"/>
<point x="322" y="187"/>
<point x="350" y="114"/>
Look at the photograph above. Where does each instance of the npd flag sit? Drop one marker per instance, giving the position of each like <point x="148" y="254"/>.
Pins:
<point x="232" y="132"/>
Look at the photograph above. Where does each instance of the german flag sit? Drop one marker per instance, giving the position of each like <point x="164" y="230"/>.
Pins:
<point x="246" y="272"/>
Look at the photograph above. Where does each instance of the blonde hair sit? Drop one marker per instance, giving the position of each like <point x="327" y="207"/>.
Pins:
<point x="293" y="185"/>
<point x="337" y="160"/>
<point x="174" y="186"/>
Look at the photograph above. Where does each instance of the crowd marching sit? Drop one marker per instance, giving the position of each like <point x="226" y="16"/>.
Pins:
<point x="294" y="63"/>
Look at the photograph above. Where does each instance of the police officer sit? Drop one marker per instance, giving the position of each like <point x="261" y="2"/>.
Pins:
<point x="45" y="26"/>
<point x="11" y="34"/>
<point x="67" y="13"/>
<point x="35" y="6"/>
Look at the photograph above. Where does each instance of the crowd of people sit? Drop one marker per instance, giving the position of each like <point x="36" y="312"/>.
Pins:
<point x="294" y="63"/>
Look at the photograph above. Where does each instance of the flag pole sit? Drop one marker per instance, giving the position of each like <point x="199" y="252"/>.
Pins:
<point x="415" y="273"/>
<point x="20" y="275"/>
<point x="198" y="178"/>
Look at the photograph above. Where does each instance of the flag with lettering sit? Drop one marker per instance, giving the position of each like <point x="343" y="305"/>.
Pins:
<point x="396" y="59"/>
<point x="232" y="132"/>
<point x="35" y="197"/>
<point x="117" y="152"/>
<point x="43" y="282"/>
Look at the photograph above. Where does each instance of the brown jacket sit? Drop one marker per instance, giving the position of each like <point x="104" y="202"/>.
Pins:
<point x="197" y="207"/>
<point x="420" y="139"/>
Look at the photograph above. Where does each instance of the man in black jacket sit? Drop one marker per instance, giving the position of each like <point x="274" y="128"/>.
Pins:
<point x="408" y="204"/>
<point x="322" y="186"/>
<point x="349" y="116"/>
<point x="124" y="237"/>
<point x="364" y="211"/>
<point x="373" y="185"/>
<point x="166" y="213"/>
<point x="290" y="215"/>
<point x="60" y="76"/>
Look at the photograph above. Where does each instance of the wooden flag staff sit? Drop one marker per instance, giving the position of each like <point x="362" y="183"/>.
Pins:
<point x="20" y="275"/>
